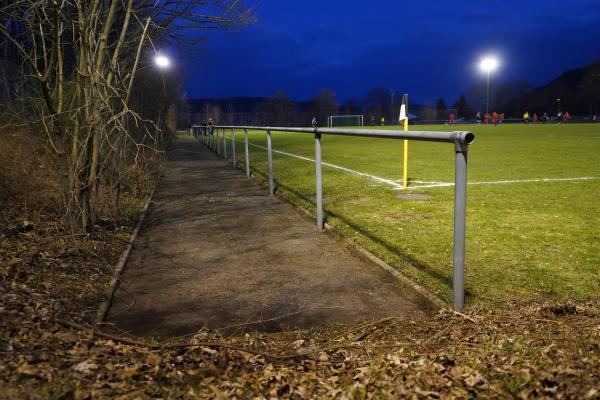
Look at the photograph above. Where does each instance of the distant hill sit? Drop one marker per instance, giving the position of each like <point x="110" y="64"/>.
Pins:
<point x="247" y="105"/>
<point x="241" y="104"/>
<point x="577" y="89"/>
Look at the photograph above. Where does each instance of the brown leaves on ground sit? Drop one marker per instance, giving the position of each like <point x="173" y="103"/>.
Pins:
<point x="518" y="351"/>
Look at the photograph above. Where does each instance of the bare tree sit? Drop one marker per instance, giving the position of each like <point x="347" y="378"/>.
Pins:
<point x="83" y="59"/>
<point x="277" y="110"/>
<point x="324" y="105"/>
<point x="212" y="111"/>
<point x="428" y="113"/>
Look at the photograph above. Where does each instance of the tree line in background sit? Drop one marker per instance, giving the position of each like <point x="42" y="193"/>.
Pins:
<point x="576" y="91"/>
<point x="81" y="73"/>
<point x="280" y="110"/>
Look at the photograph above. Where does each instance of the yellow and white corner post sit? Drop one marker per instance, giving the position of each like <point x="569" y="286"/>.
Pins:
<point x="404" y="120"/>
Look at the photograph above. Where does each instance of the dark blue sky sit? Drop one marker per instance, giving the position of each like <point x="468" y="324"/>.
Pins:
<point x="425" y="48"/>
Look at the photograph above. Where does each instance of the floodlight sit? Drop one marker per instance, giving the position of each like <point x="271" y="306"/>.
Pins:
<point x="489" y="64"/>
<point x="162" y="61"/>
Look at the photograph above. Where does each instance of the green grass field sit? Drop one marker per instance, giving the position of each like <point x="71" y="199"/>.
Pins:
<point x="525" y="240"/>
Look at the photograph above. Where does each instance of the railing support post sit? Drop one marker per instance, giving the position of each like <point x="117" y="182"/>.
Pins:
<point x="218" y="143"/>
<point x="460" y="219"/>
<point x="247" y="153"/>
<point x="270" y="162"/>
<point x="224" y="145"/>
<point x="319" y="182"/>
<point x="233" y="145"/>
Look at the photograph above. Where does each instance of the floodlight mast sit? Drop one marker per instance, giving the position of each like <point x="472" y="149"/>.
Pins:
<point x="488" y="65"/>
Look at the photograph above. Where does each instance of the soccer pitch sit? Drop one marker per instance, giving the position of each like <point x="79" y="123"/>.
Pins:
<point x="533" y="207"/>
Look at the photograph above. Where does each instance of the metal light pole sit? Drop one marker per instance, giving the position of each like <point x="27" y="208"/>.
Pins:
<point x="487" y="94"/>
<point x="488" y="65"/>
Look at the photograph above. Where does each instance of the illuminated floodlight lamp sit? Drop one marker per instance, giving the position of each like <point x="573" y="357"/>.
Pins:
<point x="162" y="61"/>
<point x="489" y="64"/>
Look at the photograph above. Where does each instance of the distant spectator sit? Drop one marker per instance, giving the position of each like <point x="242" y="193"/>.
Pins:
<point x="501" y="118"/>
<point x="595" y="118"/>
<point x="559" y="116"/>
<point x="372" y="120"/>
<point x="478" y="117"/>
<point x="535" y="118"/>
<point x="486" y="118"/>
<point x="451" y="118"/>
<point x="382" y="121"/>
<point x="544" y="118"/>
<point x="526" y="117"/>
<point x="495" y="118"/>
<point x="566" y="116"/>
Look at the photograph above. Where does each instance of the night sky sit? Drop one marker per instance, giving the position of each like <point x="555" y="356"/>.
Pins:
<point x="425" y="48"/>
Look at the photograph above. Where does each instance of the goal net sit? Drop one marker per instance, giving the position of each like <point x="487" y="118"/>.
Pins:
<point x="345" y="120"/>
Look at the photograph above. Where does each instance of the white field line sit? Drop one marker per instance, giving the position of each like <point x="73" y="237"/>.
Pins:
<point x="428" y="184"/>
<point x="506" y="182"/>
<point x="373" y="177"/>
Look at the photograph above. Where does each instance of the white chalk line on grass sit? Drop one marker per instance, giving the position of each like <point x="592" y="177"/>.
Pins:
<point x="428" y="184"/>
<point x="373" y="177"/>
<point x="505" y="182"/>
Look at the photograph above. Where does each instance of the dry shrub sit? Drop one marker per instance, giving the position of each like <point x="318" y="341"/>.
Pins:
<point x="121" y="198"/>
<point x="29" y="176"/>
<point x="30" y="182"/>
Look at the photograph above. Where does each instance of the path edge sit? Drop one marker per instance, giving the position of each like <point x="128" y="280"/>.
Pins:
<point x="434" y="299"/>
<point x="400" y="276"/>
<point x="120" y="266"/>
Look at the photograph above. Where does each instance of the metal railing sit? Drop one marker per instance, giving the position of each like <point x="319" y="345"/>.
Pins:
<point x="209" y="136"/>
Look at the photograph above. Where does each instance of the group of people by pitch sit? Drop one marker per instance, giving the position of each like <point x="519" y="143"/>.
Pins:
<point x="494" y="118"/>
<point x="560" y="117"/>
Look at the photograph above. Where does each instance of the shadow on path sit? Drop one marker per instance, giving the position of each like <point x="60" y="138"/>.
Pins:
<point x="217" y="251"/>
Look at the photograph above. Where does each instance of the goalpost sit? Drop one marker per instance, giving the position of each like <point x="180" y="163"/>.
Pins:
<point x="345" y="120"/>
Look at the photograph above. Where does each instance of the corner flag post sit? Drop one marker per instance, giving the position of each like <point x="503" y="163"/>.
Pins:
<point x="404" y="120"/>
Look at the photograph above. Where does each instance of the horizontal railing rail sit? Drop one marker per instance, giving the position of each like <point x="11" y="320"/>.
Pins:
<point x="430" y="136"/>
<point x="209" y="136"/>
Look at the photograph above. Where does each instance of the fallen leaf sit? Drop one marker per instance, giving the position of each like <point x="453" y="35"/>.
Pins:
<point x="66" y="337"/>
<point x="128" y="372"/>
<point x="27" y="369"/>
<point x="153" y="359"/>
<point x="85" y="367"/>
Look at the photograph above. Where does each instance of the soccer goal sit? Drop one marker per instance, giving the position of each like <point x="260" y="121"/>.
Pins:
<point x="345" y="120"/>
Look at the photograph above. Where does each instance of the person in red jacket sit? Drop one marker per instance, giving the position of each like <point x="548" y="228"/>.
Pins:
<point x="486" y="118"/>
<point x="495" y="118"/>
<point x="535" y="118"/>
<point x="451" y="118"/>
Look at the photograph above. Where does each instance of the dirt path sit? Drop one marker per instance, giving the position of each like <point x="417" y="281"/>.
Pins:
<point x="216" y="250"/>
